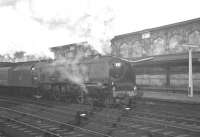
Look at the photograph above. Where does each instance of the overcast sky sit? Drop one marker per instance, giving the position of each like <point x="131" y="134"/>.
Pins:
<point x="36" y="25"/>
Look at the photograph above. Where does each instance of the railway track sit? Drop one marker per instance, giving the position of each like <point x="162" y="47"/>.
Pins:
<point x="34" y="125"/>
<point x="134" y="123"/>
<point x="13" y="126"/>
<point x="161" y="127"/>
<point x="186" y="120"/>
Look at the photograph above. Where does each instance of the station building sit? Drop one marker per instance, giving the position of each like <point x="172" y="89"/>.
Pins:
<point x="71" y="51"/>
<point x="168" y="70"/>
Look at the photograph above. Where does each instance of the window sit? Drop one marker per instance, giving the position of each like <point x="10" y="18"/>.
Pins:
<point x="146" y="35"/>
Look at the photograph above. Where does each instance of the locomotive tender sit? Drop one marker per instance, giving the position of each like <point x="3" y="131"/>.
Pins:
<point x="106" y="78"/>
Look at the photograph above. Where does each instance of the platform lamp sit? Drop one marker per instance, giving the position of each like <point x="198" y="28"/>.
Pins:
<point x="190" y="80"/>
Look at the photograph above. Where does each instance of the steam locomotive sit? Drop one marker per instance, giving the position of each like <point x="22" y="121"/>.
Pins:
<point x="105" y="79"/>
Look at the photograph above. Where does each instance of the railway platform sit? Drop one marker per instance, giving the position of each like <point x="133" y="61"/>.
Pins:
<point x="172" y="97"/>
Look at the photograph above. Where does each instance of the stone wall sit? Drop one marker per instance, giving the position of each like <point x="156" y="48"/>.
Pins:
<point x="157" y="41"/>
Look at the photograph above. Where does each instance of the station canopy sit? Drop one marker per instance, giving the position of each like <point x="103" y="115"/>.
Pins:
<point x="168" y="59"/>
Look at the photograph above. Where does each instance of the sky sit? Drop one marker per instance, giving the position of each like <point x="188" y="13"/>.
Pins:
<point x="36" y="25"/>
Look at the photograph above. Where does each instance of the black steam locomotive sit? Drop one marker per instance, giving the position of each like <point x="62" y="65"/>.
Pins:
<point x="104" y="79"/>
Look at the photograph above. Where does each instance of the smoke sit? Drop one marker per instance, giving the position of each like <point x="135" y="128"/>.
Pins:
<point x="82" y="19"/>
<point x="69" y="69"/>
<point x="87" y="20"/>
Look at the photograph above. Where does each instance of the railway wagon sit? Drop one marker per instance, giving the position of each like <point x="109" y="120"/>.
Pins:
<point x="16" y="79"/>
<point x="4" y="71"/>
<point x="105" y="79"/>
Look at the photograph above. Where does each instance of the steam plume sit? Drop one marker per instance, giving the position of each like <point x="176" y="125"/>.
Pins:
<point x="90" y="23"/>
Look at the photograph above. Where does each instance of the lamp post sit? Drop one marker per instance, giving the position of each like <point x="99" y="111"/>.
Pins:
<point x="190" y="80"/>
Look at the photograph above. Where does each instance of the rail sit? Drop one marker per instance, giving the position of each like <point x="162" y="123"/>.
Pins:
<point x="57" y="122"/>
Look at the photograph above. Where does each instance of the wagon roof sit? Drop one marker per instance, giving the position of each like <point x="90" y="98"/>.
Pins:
<point x="5" y="64"/>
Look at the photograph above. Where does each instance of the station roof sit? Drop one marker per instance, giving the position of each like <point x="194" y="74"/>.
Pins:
<point x="158" y="28"/>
